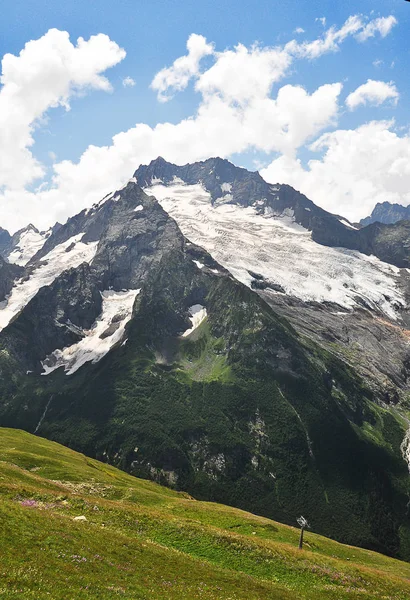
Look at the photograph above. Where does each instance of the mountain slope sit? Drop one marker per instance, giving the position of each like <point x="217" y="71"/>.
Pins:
<point x="141" y="540"/>
<point x="267" y="236"/>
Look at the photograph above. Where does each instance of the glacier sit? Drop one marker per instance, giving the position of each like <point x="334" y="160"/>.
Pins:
<point x="282" y="251"/>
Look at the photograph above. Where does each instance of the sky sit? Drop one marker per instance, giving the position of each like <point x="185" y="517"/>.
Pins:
<point x="313" y="94"/>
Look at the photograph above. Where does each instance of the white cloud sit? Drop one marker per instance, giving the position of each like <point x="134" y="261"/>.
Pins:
<point x="374" y="93"/>
<point x="243" y="74"/>
<point x="382" y="25"/>
<point x="299" y="30"/>
<point x="177" y="76"/>
<point x="321" y="20"/>
<point x="359" y="168"/>
<point x="47" y="72"/>
<point x="378" y="63"/>
<point x="128" y="82"/>
<point x="238" y="111"/>
<point x="331" y="39"/>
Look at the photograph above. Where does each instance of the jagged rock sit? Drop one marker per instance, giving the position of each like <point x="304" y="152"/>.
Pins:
<point x="385" y="212"/>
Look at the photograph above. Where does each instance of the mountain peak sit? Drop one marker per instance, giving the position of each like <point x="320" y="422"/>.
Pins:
<point x="28" y="228"/>
<point x="387" y="213"/>
<point x="159" y="161"/>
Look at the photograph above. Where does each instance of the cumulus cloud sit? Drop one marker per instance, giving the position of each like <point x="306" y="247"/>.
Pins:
<point x="177" y="76"/>
<point x="242" y="106"/>
<point x="47" y="72"/>
<point x="299" y="30"/>
<point x="243" y="74"/>
<point x="374" y="93"/>
<point x="359" y="168"/>
<point x="128" y="82"/>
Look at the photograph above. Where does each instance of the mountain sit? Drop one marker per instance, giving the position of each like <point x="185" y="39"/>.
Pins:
<point x="78" y="528"/>
<point x="276" y="241"/>
<point x="212" y="345"/>
<point x="24" y="244"/>
<point x="385" y="212"/>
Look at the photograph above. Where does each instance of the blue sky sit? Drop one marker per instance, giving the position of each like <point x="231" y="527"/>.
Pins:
<point x="154" y="34"/>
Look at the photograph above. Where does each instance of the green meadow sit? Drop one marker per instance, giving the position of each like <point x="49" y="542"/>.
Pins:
<point x="136" y="539"/>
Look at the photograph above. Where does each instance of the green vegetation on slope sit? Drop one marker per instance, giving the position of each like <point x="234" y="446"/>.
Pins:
<point x="144" y="541"/>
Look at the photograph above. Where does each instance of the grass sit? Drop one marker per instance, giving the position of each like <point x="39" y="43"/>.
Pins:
<point x="141" y="540"/>
<point x="202" y="357"/>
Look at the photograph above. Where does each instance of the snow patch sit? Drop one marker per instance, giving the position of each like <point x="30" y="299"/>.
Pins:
<point x="198" y="264"/>
<point x="67" y="255"/>
<point x="347" y="224"/>
<point x="30" y="242"/>
<point x="138" y="208"/>
<point x="98" y="340"/>
<point x="405" y="448"/>
<point x="198" y="314"/>
<point x="281" y="250"/>
<point x="226" y="187"/>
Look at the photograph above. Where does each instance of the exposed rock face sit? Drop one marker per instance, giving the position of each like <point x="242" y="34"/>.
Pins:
<point x="385" y="212"/>
<point x="260" y="403"/>
<point x="8" y="275"/>
<point x="5" y="238"/>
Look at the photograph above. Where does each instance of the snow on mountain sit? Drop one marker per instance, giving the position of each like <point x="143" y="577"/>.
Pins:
<point x="198" y="314"/>
<point x="347" y="224"/>
<point x="69" y="254"/>
<point x="26" y="243"/>
<point x="107" y="331"/>
<point x="280" y="252"/>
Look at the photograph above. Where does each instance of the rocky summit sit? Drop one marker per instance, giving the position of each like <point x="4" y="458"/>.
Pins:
<point x="223" y="336"/>
<point x="388" y="213"/>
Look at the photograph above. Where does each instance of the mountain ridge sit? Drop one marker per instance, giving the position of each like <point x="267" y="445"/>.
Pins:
<point x="327" y="229"/>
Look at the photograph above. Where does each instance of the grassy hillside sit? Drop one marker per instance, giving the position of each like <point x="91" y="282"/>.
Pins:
<point x="140" y="540"/>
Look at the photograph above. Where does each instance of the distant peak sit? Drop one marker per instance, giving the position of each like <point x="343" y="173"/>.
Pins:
<point x="29" y="227"/>
<point x="159" y="161"/>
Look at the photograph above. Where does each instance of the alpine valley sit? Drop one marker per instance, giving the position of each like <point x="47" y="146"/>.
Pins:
<point x="223" y="336"/>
